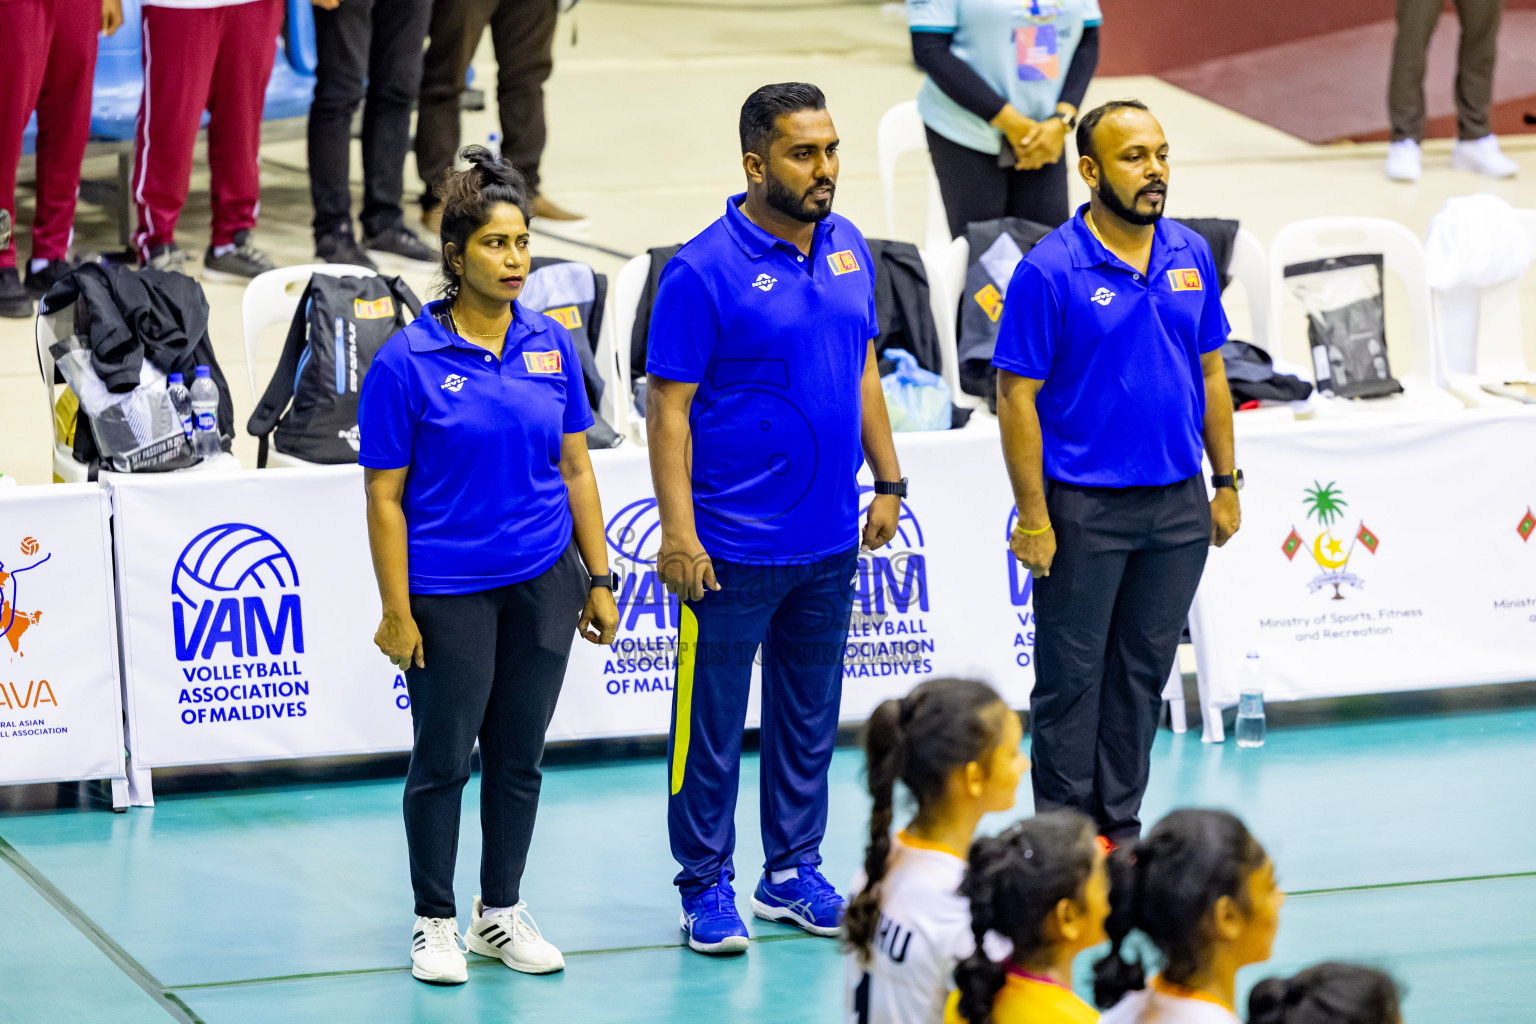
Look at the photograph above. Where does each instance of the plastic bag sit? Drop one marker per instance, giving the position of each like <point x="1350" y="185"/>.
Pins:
<point x="136" y="431"/>
<point x="915" y="398"/>
<point x="1346" y="324"/>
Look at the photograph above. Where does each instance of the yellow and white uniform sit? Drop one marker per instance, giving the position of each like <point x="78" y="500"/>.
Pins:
<point x="1026" y="999"/>
<point x="1164" y="1003"/>
<point x="925" y="929"/>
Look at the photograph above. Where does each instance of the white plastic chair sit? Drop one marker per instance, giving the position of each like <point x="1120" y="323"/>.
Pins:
<point x="1403" y="255"/>
<point x="50" y="329"/>
<point x="627" y="288"/>
<point x="272" y="298"/>
<point x="1173" y="693"/>
<point x="946" y="274"/>
<point x="615" y="403"/>
<point x="901" y="131"/>
<point x="1250" y="268"/>
<point x="1491" y="319"/>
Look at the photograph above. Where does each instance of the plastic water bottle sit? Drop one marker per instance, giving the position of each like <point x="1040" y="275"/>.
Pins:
<point x="205" y="416"/>
<point x="1250" y="703"/>
<point x="181" y="399"/>
<point x="493" y="143"/>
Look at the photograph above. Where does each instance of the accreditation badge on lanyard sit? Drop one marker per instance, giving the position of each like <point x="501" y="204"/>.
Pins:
<point x="1036" y="41"/>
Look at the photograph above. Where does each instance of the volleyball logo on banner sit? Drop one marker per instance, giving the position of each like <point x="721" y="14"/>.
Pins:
<point x="24" y="697"/>
<point x="644" y="657"/>
<point x="1021" y="594"/>
<point x="238" y="626"/>
<point x="888" y="634"/>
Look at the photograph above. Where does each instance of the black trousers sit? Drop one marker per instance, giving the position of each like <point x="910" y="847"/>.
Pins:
<point x="494" y="665"/>
<point x="1475" y="55"/>
<point x="975" y="188"/>
<point x="523" y="36"/>
<point x="1108" y="619"/>
<point x="377" y="42"/>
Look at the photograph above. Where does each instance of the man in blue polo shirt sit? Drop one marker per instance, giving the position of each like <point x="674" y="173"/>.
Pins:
<point x="1110" y="382"/>
<point x="763" y="400"/>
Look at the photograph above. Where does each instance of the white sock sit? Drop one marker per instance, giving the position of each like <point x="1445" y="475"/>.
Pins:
<point x="36" y="266"/>
<point x="488" y="911"/>
<point x="220" y="250"/>
<point x="780" y="877"/>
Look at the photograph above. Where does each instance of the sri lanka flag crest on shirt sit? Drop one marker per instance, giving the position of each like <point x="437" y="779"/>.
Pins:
<point x="542" y="362"/>
<point x="843" y="263"/>
<point x="1184" y="280"/>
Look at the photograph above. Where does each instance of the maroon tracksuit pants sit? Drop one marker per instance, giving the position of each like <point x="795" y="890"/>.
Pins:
<point x="216" y="59"/>
<point x="50" y="50"/>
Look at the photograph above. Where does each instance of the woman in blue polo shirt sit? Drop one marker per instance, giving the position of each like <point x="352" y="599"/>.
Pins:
<point x="1005" y="81"/>
<point x="488" y="544"/>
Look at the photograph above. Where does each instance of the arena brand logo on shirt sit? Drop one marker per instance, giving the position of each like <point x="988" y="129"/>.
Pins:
<point x="1326" y="505"/>
<point x="644" y="658"/>
<point x="842" y="263"/>
<point x="764" y="282"/>
<point x="568" y="317"/>
<point x="1021" y="592"/>
<point x="1103" y="296"/>
<point x="375" y="309"/>
<point x="888" y="634"/>
<point x="453" y="383"/>
<point x="1184" y="280"/>
<point x="542" y="362"/>
<point x="14" y="621"/>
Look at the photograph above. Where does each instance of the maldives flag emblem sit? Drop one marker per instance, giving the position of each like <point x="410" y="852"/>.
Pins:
<point x="542" y="362"/>
<point x="1527" y="526"/>
<point x="1184" y="280"/>
<point x="842" y="263"/>
<point x="1366" y="537"/>
<point x="1292" y="544"/>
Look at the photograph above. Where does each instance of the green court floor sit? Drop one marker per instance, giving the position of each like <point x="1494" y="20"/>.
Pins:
<point x="1406" y="842"/>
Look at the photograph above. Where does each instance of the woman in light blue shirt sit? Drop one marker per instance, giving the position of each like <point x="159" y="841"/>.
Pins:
<point x="1005" y="80"/>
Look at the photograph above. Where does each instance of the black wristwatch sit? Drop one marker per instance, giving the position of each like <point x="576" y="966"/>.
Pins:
<point x="1066" y="119"/>
<point x="1233" y="480"/>
<point x="609" y="580"/>
<point x="899" y="488"/>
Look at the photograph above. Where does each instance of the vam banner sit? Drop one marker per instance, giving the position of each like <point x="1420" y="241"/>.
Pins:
<point x="249" y="607"/>
<point x="60" y="698"/>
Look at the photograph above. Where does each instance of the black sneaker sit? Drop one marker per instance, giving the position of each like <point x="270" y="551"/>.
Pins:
<point x="14" y="300"/>
<point x="342" y="248"/>
<point x="241" y="263"/>
<point x="39" y="281"/>
<point x="168" y="259"/>
<point x="399" y="241"/>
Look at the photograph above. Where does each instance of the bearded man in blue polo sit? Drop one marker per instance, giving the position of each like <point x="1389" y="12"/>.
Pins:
<point x="763" y="401"/>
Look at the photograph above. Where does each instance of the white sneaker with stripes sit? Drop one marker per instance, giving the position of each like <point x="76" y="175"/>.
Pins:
<point x="512" y="937"/>
<point x="436" y="955"/>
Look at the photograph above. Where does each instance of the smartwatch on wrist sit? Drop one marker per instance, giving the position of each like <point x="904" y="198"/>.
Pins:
<point x="1067" y="119"/>
<point x="1233" y="480"/>
<point x="608" y="579"/>
<point x="899" y="488"/>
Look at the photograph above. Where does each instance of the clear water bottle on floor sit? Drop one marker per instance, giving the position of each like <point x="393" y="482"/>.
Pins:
<point x="1250" y="703"/>
<point x="205" y="416"/>
<point x="493" y="143"/>
<point x="181" y="400"/>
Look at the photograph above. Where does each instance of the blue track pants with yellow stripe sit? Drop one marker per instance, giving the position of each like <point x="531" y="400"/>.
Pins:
<point x="799" y="614"/>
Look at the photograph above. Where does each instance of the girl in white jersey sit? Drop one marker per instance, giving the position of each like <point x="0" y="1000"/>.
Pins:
<point x="954" y="744"/>
<point x="1203" y="890"/>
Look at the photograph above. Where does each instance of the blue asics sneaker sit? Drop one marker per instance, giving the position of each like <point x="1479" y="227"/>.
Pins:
<point x="809" y="902"/>
<point x="711" y="921"/>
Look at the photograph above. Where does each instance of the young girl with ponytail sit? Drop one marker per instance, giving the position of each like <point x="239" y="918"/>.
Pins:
<point x="1331" y="993"/>
<point x="1203" y="890"/>
<point x="1043" y="885"/>
<point x="954" y="745"/>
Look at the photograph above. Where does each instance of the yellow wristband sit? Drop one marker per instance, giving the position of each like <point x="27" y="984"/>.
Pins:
<point x="1034" y="533"/>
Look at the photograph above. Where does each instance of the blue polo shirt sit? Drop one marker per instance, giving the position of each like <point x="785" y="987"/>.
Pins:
<point x="1123" y="402"/>
<point x="776" y="341"/>
<point x="484" y="502"/>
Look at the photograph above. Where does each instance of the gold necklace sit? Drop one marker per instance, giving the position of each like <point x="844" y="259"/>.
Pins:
<point x="459" y="330"/>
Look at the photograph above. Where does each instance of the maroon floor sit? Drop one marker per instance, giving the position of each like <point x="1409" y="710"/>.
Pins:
<point x="1334" y="87"/>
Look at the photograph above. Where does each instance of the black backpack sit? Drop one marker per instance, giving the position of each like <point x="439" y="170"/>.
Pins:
<point x="310" y="407"/>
